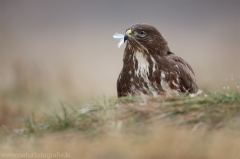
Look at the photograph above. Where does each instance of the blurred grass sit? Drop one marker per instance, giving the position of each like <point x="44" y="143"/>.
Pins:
<point x="29" y="97"/>
<point x="210" y="110"/>
<point x="203" y="126"/>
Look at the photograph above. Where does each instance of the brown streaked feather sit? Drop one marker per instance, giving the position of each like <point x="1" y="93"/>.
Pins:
<point x="187" y="78"/>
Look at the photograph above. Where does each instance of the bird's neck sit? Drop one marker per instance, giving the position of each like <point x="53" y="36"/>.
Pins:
<point x="152" y="53"/>
<point x="162" y="49"/>
<point x="142" y="64"/>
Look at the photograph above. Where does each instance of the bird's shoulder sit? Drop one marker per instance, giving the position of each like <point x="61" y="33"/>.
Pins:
<point x="186" y="74"/>
<point x="179" y="61"/>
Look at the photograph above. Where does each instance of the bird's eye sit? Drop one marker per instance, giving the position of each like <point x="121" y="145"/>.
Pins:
<point x="142" y="33"/>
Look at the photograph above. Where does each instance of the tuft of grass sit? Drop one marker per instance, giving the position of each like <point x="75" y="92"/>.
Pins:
<point x="210" y="111"/>
<point x="204" y="126"/>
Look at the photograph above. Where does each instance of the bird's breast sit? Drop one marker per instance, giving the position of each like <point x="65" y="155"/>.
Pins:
<point x="138" y="72"/>
<point x="141" y="65"/>
<point x="142" y="73"/>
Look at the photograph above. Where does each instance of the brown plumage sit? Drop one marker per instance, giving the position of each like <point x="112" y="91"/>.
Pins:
<point x="149" y="67"/>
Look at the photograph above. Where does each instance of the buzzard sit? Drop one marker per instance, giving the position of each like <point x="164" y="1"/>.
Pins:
<point x="149" y="67"/>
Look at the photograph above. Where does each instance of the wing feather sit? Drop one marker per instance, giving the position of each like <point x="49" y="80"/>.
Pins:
<point x="186" y="75"/>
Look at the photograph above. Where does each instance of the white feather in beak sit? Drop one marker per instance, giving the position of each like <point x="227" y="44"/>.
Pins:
<point x="119" y="36"/>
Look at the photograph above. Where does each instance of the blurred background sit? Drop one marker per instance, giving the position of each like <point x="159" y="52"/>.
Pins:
<point x="67" y="46"/>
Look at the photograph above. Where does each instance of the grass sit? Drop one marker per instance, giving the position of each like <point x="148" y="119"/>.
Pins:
<point x="204" y="126"/>
<point x="210" y="110"/>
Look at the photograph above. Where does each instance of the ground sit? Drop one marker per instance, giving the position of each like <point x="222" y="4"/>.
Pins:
<point x="40" y="125"/>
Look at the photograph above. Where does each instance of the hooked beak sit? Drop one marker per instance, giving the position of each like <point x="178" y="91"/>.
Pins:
<point x="127" y="35"/>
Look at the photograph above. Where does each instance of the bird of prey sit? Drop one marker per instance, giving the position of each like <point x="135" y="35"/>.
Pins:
<point x="149" y="67"/>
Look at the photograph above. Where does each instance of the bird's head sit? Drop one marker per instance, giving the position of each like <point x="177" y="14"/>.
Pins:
<point x="144" y="38"/>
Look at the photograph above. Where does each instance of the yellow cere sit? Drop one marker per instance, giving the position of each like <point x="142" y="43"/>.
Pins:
<point x="129" y="31"/>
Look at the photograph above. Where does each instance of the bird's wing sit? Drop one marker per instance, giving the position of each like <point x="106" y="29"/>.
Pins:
<point x="121" y="85"/>
<point x="187" y="78"/>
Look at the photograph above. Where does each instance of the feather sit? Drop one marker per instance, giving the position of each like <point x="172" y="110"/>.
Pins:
<point x="119" y="36"/>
